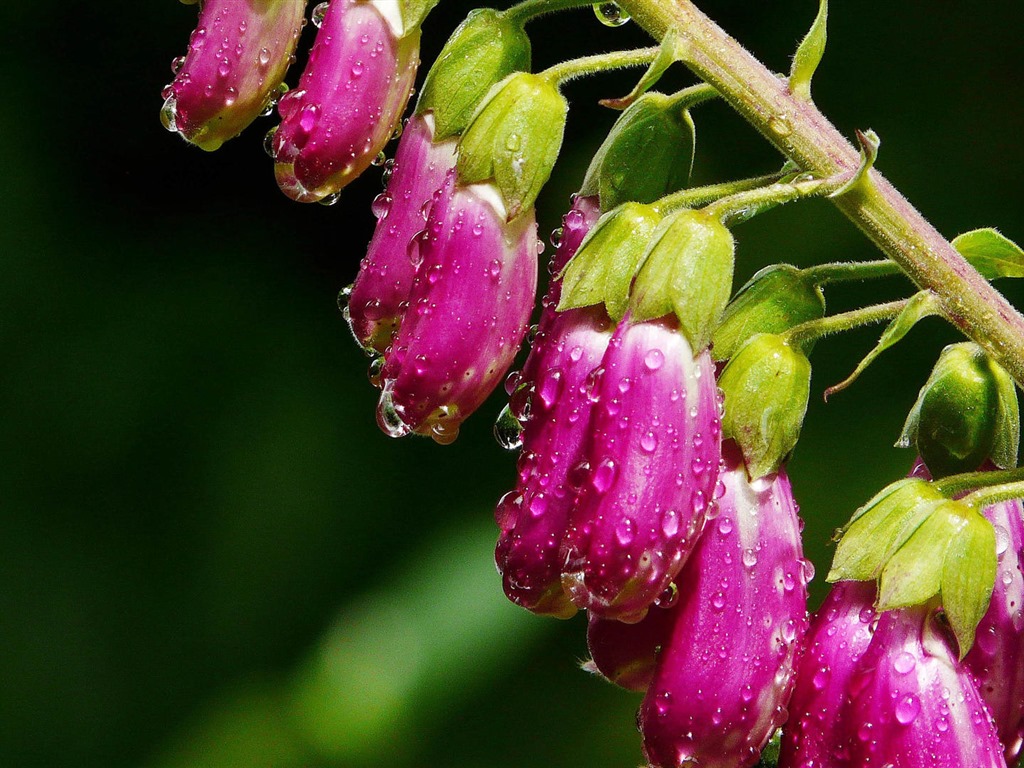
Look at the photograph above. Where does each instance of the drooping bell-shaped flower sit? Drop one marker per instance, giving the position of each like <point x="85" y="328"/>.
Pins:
<point x="349" y="98"/>
<point x="469" y="309"/>
<point x="653" y="459"/>
<point x="913" y="705"/>
<point x="996" y="661"/>
<point x="837" y="638"/>
<point x="724" y="676"/>
<point x="553" y="396"/>
<point x="236" y="60"/>
<point x="378" y="296"/>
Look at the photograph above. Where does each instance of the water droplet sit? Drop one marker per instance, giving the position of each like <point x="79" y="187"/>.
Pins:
<point x="508" y="431"/>
<point x="780" y="125"/>
<point x="381" y="205"/>
<point x="556" y="237"/>
<point x="494" y="268"/>
<point x="669" y="597"/>
<point x="318" y="14"/>
<point x="512" y="142"/>
<point x="907" y="709"/>
<point x="610" y="14"/>
<point x="388" y="417"/>
<point x="308" y="118"/>
<point x="506" y="514"/>
<point x="330" y="199"/>
<point x="379" y="160"/>
<point x="820" y="678"/>
<point x="169" y="114"/>
<point x="670" y="523"/>
<point x="604" y="476"/>
<point x="749" y="557"/>
<point x="654" y="359"/>
<point x="649" y="441"/>
<point x="375" y="371"/>
<point x="443" y="432"/>
<point x="1002" y="539"/>
<point x="574" y="218"/>
<point x="904" y="663"/>
<point x="725" y="526"/>
<point x="177" y="64"/>
<point x="718" y="601"/>
<point x="625" y="531"/>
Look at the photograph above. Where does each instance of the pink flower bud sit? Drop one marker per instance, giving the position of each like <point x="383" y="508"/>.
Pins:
<point x="653" y="456"/>
<point x="533" y="518"/>
<point x="627" y="654"/>
<point x="348" y="101"/>
<point x="912" y="705"/>
<point x="838" y="636"/>
<point x="724" y="676"/>
<point x="552" y="396"/>
<point x="468" y="312"/>
<point x="237" y="58"/>
<point x="996" y="661"/>
<point x="376" y="303"/>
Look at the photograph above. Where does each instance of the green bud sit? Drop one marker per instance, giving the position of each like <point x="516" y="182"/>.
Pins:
<point x="607" y="260"/>
<point x="514" y="138"/>
<point x="644" y="156"/>
<point x="766" y="386"/>
<point x="484" y="49"/>
<point x="965" y="414"/>
<point x="687" y="271"/>
<point x="774" y="300"/>
<point x="879" y="528"/>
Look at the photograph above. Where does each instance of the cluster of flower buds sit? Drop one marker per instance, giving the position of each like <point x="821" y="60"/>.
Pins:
<point x="357" y="81"/>
<point x="917" y="684"/>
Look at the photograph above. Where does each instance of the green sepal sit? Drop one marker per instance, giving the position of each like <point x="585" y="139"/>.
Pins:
<point x="774" y="300"/>
<point x="484" y="50"/>
<point x="964" y="414"/>
<point x="668" y="53"/>
<point x="880" y="527"/>
<point x="687" y="271"/>
<point x="414" y="13"/>
<point x="809" y="54"/>
<point x="968" y="576"/>
<point x="767" y="385"/>
<point x="921" y="305"/>
<point x="645" y="155"/>
<point x="514" y="138"/>
<point x="992" y="254"/>
<point x="914" y="572"/>
<point x="607" y="260"/>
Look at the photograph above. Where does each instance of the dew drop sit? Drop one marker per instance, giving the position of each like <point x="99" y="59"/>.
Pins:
<point x="388" y="417"/>
<point x="330" y="199"/>
<point x="1002" y="539"/>
<point x="318" y="14"/>
<point x="177" y="64"/>
<point x="603" y="476"/>
<point x="379" y="160"/>
<point x="625" y="531"/>
<point x="508" y="432"/>
<point x="725" y="526"/>
<point x="749" y="557"/>
<point x="169" y="114"/>
<point x="654" y="359"/>
<point x="904" y="663"/>
<point x="907" y="709"/>
<point x="381" y="205"/>
<point x="556" y="237"/>
<point x="610" y="14"/>
<point x="574" y="218"/>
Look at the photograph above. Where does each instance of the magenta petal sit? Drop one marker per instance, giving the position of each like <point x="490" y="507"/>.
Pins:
<point x="469" y="309"/>
<point x="838" y="636"/>
<point x="725" y="674"/>
<point x="653" y="462"/>
<point x="237" y="57"/>
<point x="996" y="661"/>
<point x="534" y="517"/>
<point x="913" y="706"/>
<point x="627" y="654"/>
<point x="348" y="101"/>
<point x="381" y="289"/>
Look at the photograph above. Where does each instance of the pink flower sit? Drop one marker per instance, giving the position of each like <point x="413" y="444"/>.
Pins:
<point x="381" y="290"/>
<point x="468" y="312"/>
<point x="838" y="636"/>
<point x="348" y="101"/>
<point x="725" y="674"/>
<point x="912" y="705"/>
<point x="996" y="661"/>
<point x="653" y="459"/>
<point x="237" y="58"/>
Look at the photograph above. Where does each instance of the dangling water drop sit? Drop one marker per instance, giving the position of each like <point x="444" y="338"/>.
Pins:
<point x="169" y="114"/>
<point x="331" y="199"/>
<point x="268" y="143"/>
<point x="508" y="431"/>
<point x="610" y="14"/>
<point x="318" y="14"/>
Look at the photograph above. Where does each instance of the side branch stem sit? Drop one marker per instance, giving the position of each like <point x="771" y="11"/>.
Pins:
<point x="805" y="136"/>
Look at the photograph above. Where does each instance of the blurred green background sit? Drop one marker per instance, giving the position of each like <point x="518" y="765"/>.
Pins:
<point x="209" y="555"/>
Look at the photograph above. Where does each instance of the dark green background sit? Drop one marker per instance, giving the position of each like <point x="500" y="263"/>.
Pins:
<point x="208" y="555"/>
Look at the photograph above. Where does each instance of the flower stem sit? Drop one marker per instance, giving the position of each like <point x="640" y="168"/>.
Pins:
<point x="813" y="330"/>
<point x="850" y="271"/>
<point x="954" y="485"/>
<point x="697" y="197"/>
<point x="735" y="209"/>
<point x="798" y="129"/>
<point x="528" y="10"/>
<point x="565" y="71"/>
<point x="994" y="494"/>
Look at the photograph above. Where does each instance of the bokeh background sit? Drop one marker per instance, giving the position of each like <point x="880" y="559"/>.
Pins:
<point x="209" y="556"/>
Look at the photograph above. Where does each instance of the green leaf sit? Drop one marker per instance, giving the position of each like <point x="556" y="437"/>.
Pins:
<point x="1007" y="438"/>
<point x="809" y="54"/>
<point x="992" y="254"/>
<point x="667" y="55"/>
<point x="914" y="572"/>
<point x="968" y="576"/>
<point x="920" y="306"/>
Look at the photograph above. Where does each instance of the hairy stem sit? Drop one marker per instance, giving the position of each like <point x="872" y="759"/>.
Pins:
<point x="813" y="330"/>
<point x="528" y="10"/>
<point x="798" y="130"/>
<point x="565" y="71"/>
